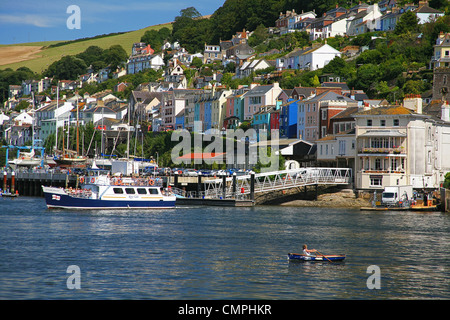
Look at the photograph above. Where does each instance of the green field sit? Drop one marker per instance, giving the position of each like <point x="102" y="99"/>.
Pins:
<point x="40" y="61"/>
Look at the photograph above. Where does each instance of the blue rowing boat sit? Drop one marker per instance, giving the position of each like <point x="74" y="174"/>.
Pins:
<point x="303" y="257"/>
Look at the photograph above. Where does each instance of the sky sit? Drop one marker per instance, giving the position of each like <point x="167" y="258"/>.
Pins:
<point x="44" y="20"/>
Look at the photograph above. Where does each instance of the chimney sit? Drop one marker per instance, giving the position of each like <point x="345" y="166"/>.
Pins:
<point x="413" y="102"/>
<point x="445" y="111"/>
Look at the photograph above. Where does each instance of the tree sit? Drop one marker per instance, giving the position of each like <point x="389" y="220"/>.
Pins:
<point x="408" y="22"/>
<point x="91" y="55"/>
<point x="258" y="36"/>
<point x="115" y="56"/>
<point x="446" y="184"/>
<point x="315" y="81"/>
<point x="367" y="76"/>
<point x="156" y="38"/>
<point x="67" y="68"/>
<point x="191" y="30"/>
<point x="197" y="62"/>
<point x="21" y="105"/>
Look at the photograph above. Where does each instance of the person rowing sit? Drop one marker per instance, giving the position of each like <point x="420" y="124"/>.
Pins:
<point x="306" y="251"/>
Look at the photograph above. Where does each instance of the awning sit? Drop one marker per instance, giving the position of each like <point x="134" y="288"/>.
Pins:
<point x="383" y="133"/>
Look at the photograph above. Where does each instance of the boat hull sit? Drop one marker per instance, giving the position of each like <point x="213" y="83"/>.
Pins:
<point x="57" y="199"/>
<point x="302" y="257"/>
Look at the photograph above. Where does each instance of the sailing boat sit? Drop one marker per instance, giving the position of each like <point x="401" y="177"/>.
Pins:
<point x="25" y="159"/>
<point x="70" y="157"/>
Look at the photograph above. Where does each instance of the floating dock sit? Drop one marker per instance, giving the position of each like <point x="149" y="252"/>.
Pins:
<point x="215" y="202"/>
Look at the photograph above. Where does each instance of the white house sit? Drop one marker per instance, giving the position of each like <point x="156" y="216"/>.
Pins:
<point x="427" y="14"/>
<point x="365" y="21"/>
<point x="250" y="66"/>
<point x="398" y="145"/>
<point x="318" y="57"/>
<point x="336" y="28"/>
<point x="339" y="148"/>
<point x="3" y="118"/>
<point x="141" y="62"/>
<point x="23" y="118"/>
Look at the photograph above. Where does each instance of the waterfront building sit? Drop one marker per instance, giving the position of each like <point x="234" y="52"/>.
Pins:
<point x="337" y="150"/>
<point x="400" y="145"/>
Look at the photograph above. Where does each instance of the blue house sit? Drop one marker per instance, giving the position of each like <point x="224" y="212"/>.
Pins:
<point x="288" y="119"/>
<point x="207" y="113"/>
<point x="179" y="120"/>
<point x="261" y="120"/>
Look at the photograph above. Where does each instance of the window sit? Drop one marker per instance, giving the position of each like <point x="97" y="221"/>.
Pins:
<point x="129" y="190"/>
<point x="378" y="164"/>
<point x="255" y="100"/>
<point x="141" y="191"/>
<point x="118" y="190"/>
<point x="383" y="123"/>
<point x="396" y="122"/>
<point x="369" y="122"/>
<point x="342" y="147"/>
<point x="153" y="191"/>
<point x="375" y="182"/>
<point x="324" y="114"/>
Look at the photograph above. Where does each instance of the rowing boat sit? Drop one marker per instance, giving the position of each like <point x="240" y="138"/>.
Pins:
<point x="302" y="257"/>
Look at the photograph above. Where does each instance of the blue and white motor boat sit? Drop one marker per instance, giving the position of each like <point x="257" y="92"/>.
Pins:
<point x="100" y="191"/>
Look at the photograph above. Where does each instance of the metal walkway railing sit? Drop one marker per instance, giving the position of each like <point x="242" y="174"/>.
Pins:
<point x="238" y="186"/>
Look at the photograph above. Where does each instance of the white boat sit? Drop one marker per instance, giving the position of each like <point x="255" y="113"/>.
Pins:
<point x="100" y="191"/>
<point x="25" y="159"/>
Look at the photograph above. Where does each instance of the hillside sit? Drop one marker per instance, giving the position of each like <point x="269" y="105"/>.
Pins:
<point x="37" y="56"/>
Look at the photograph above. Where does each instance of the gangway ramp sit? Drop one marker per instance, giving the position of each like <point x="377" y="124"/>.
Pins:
<point x="240" y="186"/>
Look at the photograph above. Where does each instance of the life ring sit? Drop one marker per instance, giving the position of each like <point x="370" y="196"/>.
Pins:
<point x="82" y="179"/>
<point x="151" y="182"/>
<point x="92" y="180"/>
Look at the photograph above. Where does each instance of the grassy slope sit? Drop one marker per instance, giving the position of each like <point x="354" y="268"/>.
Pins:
<point x="47" y="56"/>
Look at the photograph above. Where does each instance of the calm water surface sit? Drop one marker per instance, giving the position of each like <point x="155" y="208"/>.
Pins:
<point x="220" y="253"/>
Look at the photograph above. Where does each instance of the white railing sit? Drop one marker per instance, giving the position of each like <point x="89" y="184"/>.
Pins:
<point x="277" y="180"/>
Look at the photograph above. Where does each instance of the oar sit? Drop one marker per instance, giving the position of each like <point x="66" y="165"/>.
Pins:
<point x="323" y="256"/>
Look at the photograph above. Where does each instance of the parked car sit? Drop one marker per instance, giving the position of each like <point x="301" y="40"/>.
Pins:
<point x="190" y="173"/>
<point x="205" y="172"/>
<point x="150" y="171"/>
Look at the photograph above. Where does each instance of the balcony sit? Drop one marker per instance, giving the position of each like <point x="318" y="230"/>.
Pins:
<point x="379" y="171"/>
<point x="382" y="151"/>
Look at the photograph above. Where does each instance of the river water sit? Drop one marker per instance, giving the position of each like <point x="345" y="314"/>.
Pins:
<point x="211" y="253"/>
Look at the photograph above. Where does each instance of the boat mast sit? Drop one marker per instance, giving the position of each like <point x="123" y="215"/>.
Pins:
<point x="56" y="118"/>
<point x="128" y="133"/>
<point x="32" y="121"/>
<point x="78" y="132"/>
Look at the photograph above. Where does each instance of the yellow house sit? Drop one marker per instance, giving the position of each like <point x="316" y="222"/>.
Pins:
<point x="441" y="56"/>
